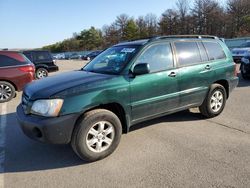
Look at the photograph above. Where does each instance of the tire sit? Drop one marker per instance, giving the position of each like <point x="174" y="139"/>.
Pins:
<point x="88" y="139"/>
<point x="244" y="72"/>
<point x="211" y="108"/>
<point x="41" y="73"/>
<point x="7" y="91"/>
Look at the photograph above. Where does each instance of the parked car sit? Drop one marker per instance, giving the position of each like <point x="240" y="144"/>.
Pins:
<point x="245" y="66"/>
<point x="126" y="84"/>
<point x="91" y="55"/>
<point x="239" y="53"/>
<point x="75" y="56"/>
<point x="15" y="72"/>
<point x="43" y="62"/>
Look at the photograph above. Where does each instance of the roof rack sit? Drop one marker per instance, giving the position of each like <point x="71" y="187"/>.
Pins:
<point x="184" y="36"/>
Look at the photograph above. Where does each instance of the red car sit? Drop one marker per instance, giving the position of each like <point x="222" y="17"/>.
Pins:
<point x="15" y="72"/>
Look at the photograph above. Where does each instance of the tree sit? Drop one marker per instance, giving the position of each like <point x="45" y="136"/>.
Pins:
<point x="239" y="12"/>
<point x="91" y="39"/>
<point x="168" y="23"/>
<point x="121" y="22"/>
<point x="131" y="30"/>
<point x="183" y="8"/>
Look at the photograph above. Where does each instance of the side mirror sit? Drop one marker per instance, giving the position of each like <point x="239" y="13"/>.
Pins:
<point x="142" y="68"/>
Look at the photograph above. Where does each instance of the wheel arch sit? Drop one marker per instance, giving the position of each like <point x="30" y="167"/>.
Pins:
<point x="117" y="109"/>
<point x="12" y="83"/>
<point x="225" y="84"/>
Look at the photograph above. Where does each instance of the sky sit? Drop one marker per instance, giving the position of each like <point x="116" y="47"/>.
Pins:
<point x="36" y="23"/>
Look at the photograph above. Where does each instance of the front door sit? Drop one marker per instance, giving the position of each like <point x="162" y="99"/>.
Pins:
<point x="156" y="92"/>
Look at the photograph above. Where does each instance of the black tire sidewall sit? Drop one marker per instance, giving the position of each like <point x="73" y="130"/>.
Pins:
<point x="211" y="92"/>
<point x="41" y="69"/>
<point x="13" y="90"/>
<point x="83" y="128"/>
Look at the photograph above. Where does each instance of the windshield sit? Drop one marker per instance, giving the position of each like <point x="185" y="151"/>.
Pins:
<point x="247" y="44"/>
<point x="112" y="60"/>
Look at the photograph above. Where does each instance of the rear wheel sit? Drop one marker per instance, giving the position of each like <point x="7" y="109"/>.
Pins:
<point x="215" y="101"/>
<point x="96" y="135"/>
<point x="7" y="91"/>
<point x="41" y="73"/>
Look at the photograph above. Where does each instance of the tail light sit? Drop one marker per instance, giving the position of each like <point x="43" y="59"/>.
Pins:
<point x="29" y="68"/>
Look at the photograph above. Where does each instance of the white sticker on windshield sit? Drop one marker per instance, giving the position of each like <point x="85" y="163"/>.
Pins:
<point x="128" y="50"/>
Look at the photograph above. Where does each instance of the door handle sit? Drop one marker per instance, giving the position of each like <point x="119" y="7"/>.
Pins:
<point x="172" y="74"/>
<point x="207" y="67"/>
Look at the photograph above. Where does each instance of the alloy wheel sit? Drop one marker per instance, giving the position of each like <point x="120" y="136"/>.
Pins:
<point x="100" y="136"/>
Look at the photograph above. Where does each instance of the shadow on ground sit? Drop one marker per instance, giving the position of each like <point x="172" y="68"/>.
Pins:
<point x="24" y="154"/>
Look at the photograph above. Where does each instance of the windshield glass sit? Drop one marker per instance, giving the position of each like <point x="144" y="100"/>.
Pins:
<point x="247" y="44"/>
<point x="112" y="60"/>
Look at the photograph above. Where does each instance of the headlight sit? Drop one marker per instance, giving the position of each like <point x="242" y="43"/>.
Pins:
<point x="49" y="108"/>
<point x="245" y="60"/>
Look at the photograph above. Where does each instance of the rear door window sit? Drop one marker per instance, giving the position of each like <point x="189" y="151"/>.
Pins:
<point x="214" y="51"/>
<point x="187" y="53"/>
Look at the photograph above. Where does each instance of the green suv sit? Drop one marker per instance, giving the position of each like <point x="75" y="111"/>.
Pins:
<point x="128" y="83"/>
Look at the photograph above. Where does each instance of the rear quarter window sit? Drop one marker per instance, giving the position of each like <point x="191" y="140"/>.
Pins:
<point x="41" y="56"/>
<point x="214" y="51"/>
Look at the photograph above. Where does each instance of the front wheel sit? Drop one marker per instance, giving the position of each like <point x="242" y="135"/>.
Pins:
<point x="96" y="135"/>
<point x="214" y="102"/>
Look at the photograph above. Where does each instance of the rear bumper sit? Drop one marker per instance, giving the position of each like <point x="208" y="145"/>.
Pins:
<point x="53" y="68"/>
<point x="56" y="130"/>
<point x="233" y="82"/>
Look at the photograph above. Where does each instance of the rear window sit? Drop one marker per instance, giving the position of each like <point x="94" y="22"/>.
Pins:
<point x="8" y="60"/>
<point x="28" y="55"/>
<point x="40" y="56"/>
<point x="214" y="51"/>
<point x="187" y="53"/>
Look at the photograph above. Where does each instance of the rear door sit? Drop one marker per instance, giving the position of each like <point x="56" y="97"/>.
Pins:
<point x="193" y="72"/>
<point x="156" y="92"/>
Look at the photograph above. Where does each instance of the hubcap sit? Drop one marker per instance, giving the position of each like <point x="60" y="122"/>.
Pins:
<point x="216" y="101"/>
<point x="41" y="74"/>
<point x="5" y="92"/>
<point x="100" y="136"/>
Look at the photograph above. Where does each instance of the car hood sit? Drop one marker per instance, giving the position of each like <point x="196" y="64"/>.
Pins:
<point x="47" y="87"/>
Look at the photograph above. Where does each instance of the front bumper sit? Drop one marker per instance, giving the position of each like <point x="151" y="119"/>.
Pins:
<point x="54" y="130"/>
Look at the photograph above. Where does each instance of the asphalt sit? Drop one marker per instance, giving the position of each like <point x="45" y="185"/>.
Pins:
<point x="179" y="150"/>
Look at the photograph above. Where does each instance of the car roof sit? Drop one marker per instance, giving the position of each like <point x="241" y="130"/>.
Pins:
<point x="35" y="51"/>
<point x="9" y="51"/>
<point x="168" y="37"/>
<point x="135" y="42"/>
